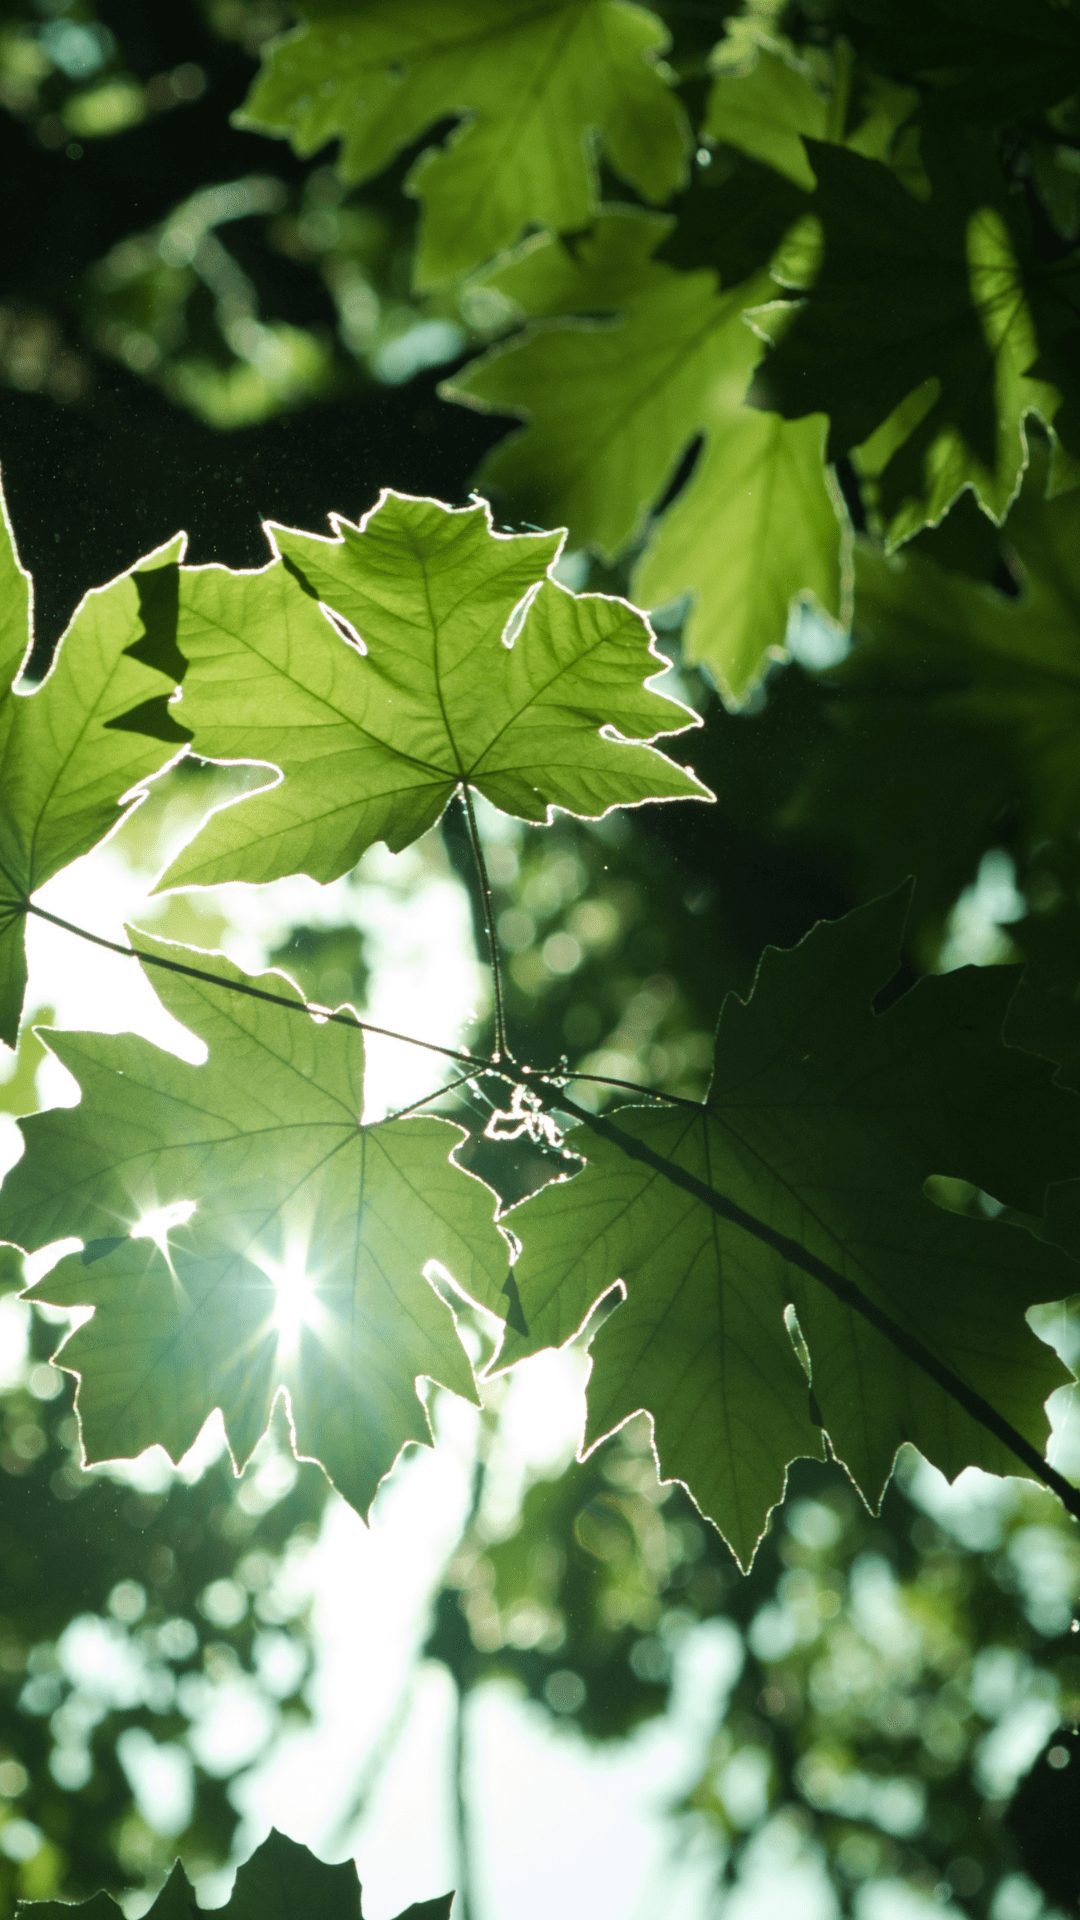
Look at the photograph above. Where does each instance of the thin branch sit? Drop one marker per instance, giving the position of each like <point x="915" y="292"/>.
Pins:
<point x="341" y="1016"/>
<point x="557" y="1077"/>
<point x="464" y="1902"/>
<point x="836" y="1283"/>
<point x="373" y="1769"/>
<point x="849" y="1296"/>
<point x="478" y="1063"/>
<point x="448" y="1086"/>
<point x="460" y="1662"/>
<point x="502" y="1052"/>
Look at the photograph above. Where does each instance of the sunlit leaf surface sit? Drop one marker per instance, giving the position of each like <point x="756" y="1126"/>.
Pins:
<point x="476" y="670"/>
<point x="824" y="1121"/>
<point x="303" y="1265"/>
<point x="65" y="762"/>
<point x="537" y="88"/>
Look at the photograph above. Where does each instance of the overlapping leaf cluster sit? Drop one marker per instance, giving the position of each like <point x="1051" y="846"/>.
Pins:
<point x="788" y="1282"/>
<point x="789" y="328"/>
<point x="281" y="1881"/>
<point x="871" y="267"/>
<point x="450" y="662"/>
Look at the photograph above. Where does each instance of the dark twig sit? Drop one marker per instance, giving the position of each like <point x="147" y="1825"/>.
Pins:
<point x="487" y="902"/>
<point x="341" y="1016"/>
<point x="448" y="1086"/>
<point x="556" y="1077"/>
<point x="847" y="1293"/>
<point x="557" y="1099"/>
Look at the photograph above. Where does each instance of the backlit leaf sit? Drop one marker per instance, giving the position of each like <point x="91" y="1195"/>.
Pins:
<point x="824" y="1121"/>
<point x="65" y="759"/>
<point x="537" y="89"/>
<point x="304" y="1264"/>
<point x="970" y="695"/>
<point x="478" y="670"/>
<point x="613" y="403"/>
<point x="935" y="306"/>
<point x="281" y="1881"/>
<point x="765" y="110"/>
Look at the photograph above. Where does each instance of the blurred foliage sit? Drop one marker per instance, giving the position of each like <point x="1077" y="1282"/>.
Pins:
<point x="327" y="963"/>
<point x="187" y="305"/>
<point x="140" y="1616"/>
<point x="288" y="1876"/>
<point x="879" y="1687"/>
<point x="251" y="295"/>
<point x="572" y="1606"/>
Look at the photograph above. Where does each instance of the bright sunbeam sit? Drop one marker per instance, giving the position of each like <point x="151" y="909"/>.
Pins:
<point x="296" y="1302"/>
<point x="157" y="1223"/>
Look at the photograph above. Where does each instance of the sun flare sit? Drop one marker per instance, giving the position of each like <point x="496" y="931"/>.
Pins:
<point x="296" y="1302"/>
<point x="157" y="1223"/>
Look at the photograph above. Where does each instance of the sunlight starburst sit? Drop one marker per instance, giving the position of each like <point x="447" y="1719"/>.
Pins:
<point x="157" y="1223"/>
<point x="296" y="1302"/>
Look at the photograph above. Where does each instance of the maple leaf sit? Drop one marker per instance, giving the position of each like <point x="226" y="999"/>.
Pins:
<point x="921" y="323"/>
<point x="15" y="601"/>
<point x="66" y="762"/>
<point x="537" y="87"/>
<point x="281" y="1881"/>
<point x="765" y="110"/>
<point x="971" y="695"/>
<point x="982" y="59"/>
<point x="12" y="1278"/>
<point x="303" y="1265"/>
<point x="822" y="1125"/>
<point x="612" y="406"/>
<point x="477" y="670"/>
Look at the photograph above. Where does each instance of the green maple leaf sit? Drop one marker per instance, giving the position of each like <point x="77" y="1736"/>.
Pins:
<point x="611" y="407"/>
<point x="537" y="86"/>
<point x="765" y="110"/>
<point x="281" y="1881"/>
<point x="373" y="746"/>
<point x="65" y="760"/>
<point x="824" y="1121"/>
<point x="970" y="695"/>
<point x="303" y="1266"/>
<point x="921" y="324"/>
<point x="15" y="601"/>
<point x="99" y="1907"/>
<point x="1006" y="668"/>
<point x="985" y="59"/>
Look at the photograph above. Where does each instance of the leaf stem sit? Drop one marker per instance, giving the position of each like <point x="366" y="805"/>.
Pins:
<point x="341" y="1016"/>
<point x="502" y="1052"/>
<point x="558" y="1077"/>
<point x="448" y="1086"/>
<point x="849" y="1296"/>
<point x="836" y="1283"/>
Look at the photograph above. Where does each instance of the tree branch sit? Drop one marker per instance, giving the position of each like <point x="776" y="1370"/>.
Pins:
<point x="341" y="1016"/>
<point x="842" y="1289"/>
<point x="501" y="1050"/>
<point x="836" y="1283"/>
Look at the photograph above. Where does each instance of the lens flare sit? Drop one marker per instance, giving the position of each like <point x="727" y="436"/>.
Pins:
<point x="157" y="1223"/>
<point x="295" y="1303"/>
<point x="297" y="1307"/>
